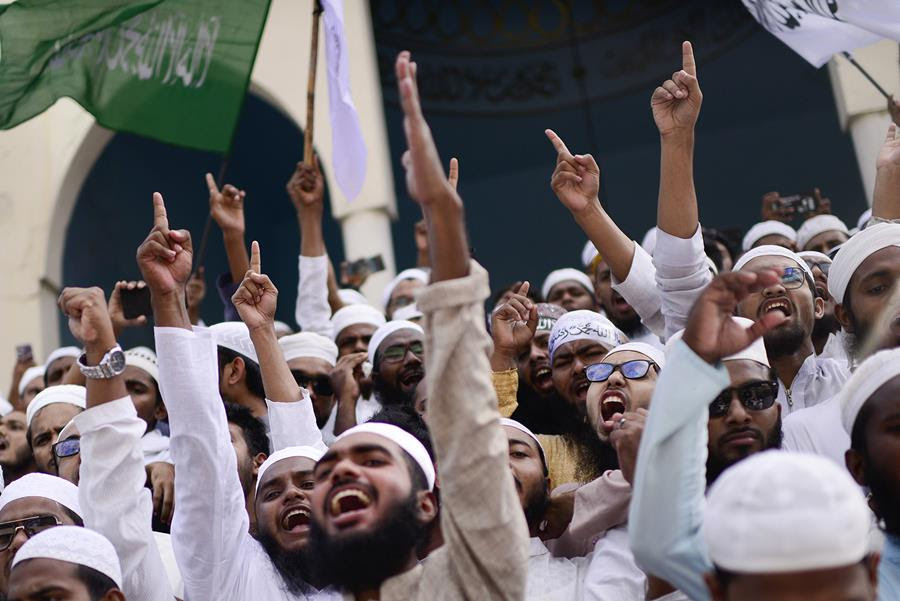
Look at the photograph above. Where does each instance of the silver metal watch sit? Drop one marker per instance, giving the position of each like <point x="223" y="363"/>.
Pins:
<point x="111" y="365"/>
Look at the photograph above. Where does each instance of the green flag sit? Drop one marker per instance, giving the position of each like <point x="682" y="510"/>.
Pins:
<point x="172" y="70"/>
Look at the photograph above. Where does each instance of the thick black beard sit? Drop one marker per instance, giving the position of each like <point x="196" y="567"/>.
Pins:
<point x="364" y="560"/>
<point x="293" y="566"/>
<point x="885" y="497"/>
<point x="715" y="465"/>
<point x="629" y="327"/>
<point x="387" y="394"/>
<point x="828" y="324"/>
<point x="784" y="341"/>
<point x="536" y="505"/>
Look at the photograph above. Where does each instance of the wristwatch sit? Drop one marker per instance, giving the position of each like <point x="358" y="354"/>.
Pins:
<point x="111" y="365"/>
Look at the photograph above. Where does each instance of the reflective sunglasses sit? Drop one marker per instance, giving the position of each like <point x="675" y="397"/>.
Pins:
<point x="321" y="385"/>
<point x="823" y="266"/>
<point x="755" y="396"/>
<point x="792" y="278"/>
<point x="632" y="370"/>
<point x="30" y="526"/>
<point x="395" y="353"/>
<point x="67" y="448"/>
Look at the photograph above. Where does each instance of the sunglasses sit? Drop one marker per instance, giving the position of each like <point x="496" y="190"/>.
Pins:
<point x="792" y="278"/>
<point x="321" y="385"/>
<point x="632" y="370"/>
<point x="395" y="353"/>
<point x="67" y="448"/>
<point x="756" y="396"/>
<point x="822" y="265"/>
<point x="30" y="526"/>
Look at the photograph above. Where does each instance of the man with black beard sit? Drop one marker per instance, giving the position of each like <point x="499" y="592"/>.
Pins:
<point x="16" y="457"/>
<point x="826" y="336"/>
<point x="396" y="352"/>
<point x="717" y="391"/>
<point x="373" y="500"/>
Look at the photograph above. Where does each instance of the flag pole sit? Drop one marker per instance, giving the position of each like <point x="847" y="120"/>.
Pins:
<point x="865" y="73"/>
<point x="201" y="250"/>
<point x="311" y="82"/>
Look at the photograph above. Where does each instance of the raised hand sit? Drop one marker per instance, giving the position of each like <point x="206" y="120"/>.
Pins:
<point x="576" y="179"/>
<point x="226" y="206"/>
<point x="711" y="333"/>
<point x="773" y="210"/>
<point x="307" y="186"/>
<point x="625" y="430"/>
<point x="676" y="103"/>
<point x="257" y="297"/>
<point x="513" y="323"/>
<point x="453" y="173"/>
<point x="894" y="110"/>
<point x="889" y="155"/>
<point x="346" y="375"/>
<point x="88" y="316"/>
<point x="165" y="256"/>
<point x="116" y="311"/>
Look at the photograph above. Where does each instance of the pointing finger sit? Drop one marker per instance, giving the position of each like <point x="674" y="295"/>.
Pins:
<point x="453" y="176"/>
<point x="211" y="184"/>
<point x="160" y="218"/>
<point x="558" y="144"/>
<point x="255" y="261"/>
<point x="687" y="59"/>
<point x="523" y="289"/>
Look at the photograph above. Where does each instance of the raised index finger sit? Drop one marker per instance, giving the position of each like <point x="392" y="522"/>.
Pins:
<point x="558" y="144"/>
<point x="211" y="184"/>
<point x="255" y="261"/>
<point x="160" y="218"/>
<point x="687" y="59"/>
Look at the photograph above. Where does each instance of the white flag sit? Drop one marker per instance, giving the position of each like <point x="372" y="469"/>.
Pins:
<point x="818" y="29"/>
<point x="348" y="147"/>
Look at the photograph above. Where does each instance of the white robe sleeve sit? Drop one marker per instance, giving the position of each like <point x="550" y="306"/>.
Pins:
<point x="681" y="275"/>
<point x="640" y="291"/>
<point x="313" y="313"/>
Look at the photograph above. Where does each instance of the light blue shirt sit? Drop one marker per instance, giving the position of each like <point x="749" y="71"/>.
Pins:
<point x="889" y="570"/>
<point x="670" y="480"/>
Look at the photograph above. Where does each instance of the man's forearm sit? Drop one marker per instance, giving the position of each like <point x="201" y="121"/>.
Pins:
<point x="886" y="196"/>
<point x="447" y="240"/>
<point x="312" y="241"/>
<point x="677" y="208"/>
<point x="278" y="383"/>
<point x="236" y="251"/>
<point x="169" y="310"/>
<point x="612" y="243"/>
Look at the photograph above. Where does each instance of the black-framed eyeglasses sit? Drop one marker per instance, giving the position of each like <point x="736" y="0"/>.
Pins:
<point x="632" y="370"/>
<point x="321" y="385"/>
<point x="755" y="396"/>
<point x="824" y="266"/>
<point x="792" y="278"/>
<point x="396" y="352"/>
<point x="67" y="448"/>
<point x="30" y="526"/>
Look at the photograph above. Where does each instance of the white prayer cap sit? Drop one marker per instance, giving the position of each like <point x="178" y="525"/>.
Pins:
<point x="70" y="430"/>
<point x="588" y="254"/>
<point x="286" y="453"/>
<point x="863" y="220"/>
<point x="407" y="274"/>
<point x="779" y="512"/>
<point x="872" y="374"/>
<point x="308" y="344"/>
<point x="66" y="351"/>
<point x="282" y="329"/>
<point x="349" y="296"/>
<point x="409" y="312"/>
<point x="649" y="241"/>
<point x="505" y="421"/>
<point x="584" y="325"/>
<point x="73" y="544"/>
<point x="814" y="256"/>
<point x="401" y="438"/>
<point x="234" y="336"/>
<point x="648" y="350"/>
<point x="856" y="250"/>
<point x="561" y="275"/>
<point x="771" y="250"/>
<point x="30" y="374"/>
<point x="754" y="352"/>
<point x="44" y="486"/>
<point x="819" y="224"/>
<point x="64" y="393"/>
<point x="767" y="228"/>
<point x="351" y="315"/>
<point x="388" y="329"/>
<point x="143" y="358"/>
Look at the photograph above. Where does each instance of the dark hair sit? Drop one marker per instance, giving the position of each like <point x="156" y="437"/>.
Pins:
<point x="253" y="379"/>
<point x="406" y="418"/>
<point x="96" y="583"/>
<point x="252" y="428"/>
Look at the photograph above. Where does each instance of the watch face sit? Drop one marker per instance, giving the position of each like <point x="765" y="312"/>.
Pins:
<point x="117" y="361"/>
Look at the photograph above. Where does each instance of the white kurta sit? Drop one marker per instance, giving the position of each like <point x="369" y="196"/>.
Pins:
<point x="818" y="430"/>
<point x="817" y="380"/>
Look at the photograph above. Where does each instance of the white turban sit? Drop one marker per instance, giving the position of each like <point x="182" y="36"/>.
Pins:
<point x="819" y="224"/>
<point x="588" y="254"/>
<point x="66" y="351"/>
<point x="401" y="438"/>
<point x="308" y="344"/>
<point x="767" y="228"/>
<point x="584" y="325"/>
<point x="649" y="241"/>
<point x="505" y="421"/>
<point x="64" y="393"/>
<point x="286" y="453"/>
<point x="648" y="350"/>
<point x="388" y="329"/>
<point x="780" y="512"/>
<point x="351" y="315"/>
<point x="234" y="336"/>
<point x="407" y="274"/>
<point x="73" y="544"/>
<point x="771" y="250"/>
<point x="856" y="250"/>
<point x="143" y="358"/>
<point x="561" y="275"/>
<point x="349" y="296"/>
<point x="754" y="352"/>
<point x="30" y="374"/>
<point x="872" y="374"/>
<point x="44" y="486"/>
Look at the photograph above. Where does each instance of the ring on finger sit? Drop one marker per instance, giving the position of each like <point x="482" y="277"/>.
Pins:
<point x="621" y="423"/>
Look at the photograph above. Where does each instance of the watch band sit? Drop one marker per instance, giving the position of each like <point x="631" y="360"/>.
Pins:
<point x="111" y="365"/>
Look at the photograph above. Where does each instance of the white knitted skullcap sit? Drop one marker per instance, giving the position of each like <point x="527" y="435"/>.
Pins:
<point x="386" y="330"/>
<point x="401" y="438"/>
<point x="408" y="312"/>
<point x="588" y="254"/>
<point x="856" y="250"/>
<point x="308" y="344"/>
<point x="754" y="352"/>
<point x="73" y="544"/>
<point x="872" y="374"/>
<point x="66" y="351"/>
<point x="351" y="315"/>
<point x="30" y="374"/>
<point x="414" y="273"/>
<point x="143" y="358"/>
<point x="779" y="512"/>
<point x="814" y="256"/>
<point x="349" y="296"/>
<point x="771" y="250"/>
<point x="648" y="350"/>
<point x="819" y="224"/>
<point x="64" y="393"/>
<point x="584" y="325"/>
<point x="286" y="453"/>
<point x="234" y="336"/>
<point x="767" y="228"/>
<point x="44" y="486"/>
<point x="562" y="275"/>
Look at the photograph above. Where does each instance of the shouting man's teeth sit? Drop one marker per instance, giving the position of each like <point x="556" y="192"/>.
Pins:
<point x="778" y="305"/>
<point x="542" y="373"/>
<point x="349" y="500"/>
<point x="294" y="518"/>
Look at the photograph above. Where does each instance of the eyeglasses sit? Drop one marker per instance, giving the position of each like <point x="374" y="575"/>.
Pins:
<point x="792" y="278"/>
<point x="321" y="385"/>
<point x="632" y="370"/>
<point x="67" y="448"/>
<point x="755" y="396"/>
<point x="31" y="526"/>
<point x="395" y="353"/>
<point x="823" y="266"/>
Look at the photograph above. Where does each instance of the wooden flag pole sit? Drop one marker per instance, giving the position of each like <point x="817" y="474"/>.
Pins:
<point x="311" y="82"/>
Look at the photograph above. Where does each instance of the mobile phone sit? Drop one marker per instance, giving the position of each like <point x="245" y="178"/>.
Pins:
<point x="365" y="267"/>
<point x="801" y="203"/>
<point x="136" y="302"/>
<point x="24" y="353"/>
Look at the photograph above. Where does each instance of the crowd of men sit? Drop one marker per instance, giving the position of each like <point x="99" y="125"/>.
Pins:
<point x="686" y="418"/>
